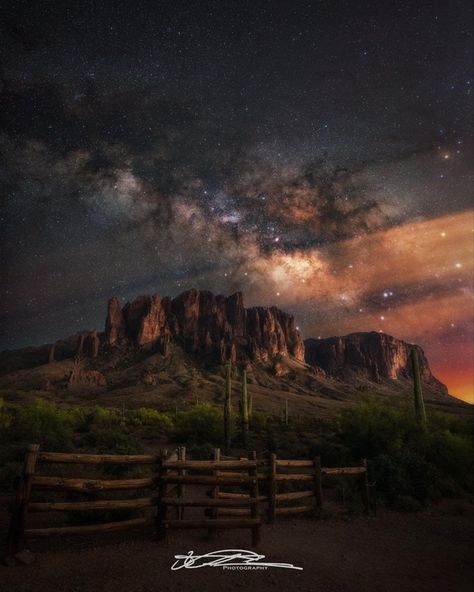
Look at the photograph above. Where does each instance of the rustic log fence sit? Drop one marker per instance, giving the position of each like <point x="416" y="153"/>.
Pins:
<point x="277" y="473"/>
<point x="242" y="473"/>
<point x="30" y="480"/>
<point x="258" y="483"/>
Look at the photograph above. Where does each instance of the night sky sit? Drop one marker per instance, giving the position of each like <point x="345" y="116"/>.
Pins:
<point x="315" y="155"/>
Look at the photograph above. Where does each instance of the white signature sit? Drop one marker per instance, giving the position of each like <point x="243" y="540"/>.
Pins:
<point x="227" y="559"/>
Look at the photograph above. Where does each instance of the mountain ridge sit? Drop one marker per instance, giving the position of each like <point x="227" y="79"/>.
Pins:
<point x="211" y="329"/>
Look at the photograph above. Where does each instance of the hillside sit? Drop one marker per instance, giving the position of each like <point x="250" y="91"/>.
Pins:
<point x="166" y="353"/>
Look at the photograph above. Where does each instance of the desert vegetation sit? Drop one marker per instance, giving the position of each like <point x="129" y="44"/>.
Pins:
<point x="414" y="463"/>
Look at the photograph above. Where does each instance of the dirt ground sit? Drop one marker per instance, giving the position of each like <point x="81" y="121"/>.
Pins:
<point x="395" y="551"/>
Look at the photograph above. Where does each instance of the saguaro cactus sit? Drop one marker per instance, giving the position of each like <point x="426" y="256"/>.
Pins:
<point x="418" y="391"/>
<point x="244" y="409"/>
<point x="228" y="405"/>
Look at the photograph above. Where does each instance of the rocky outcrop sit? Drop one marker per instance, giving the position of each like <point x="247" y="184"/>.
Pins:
<point x="204" y="323"/>
<point x="271" y="332"/>
<point x="115" y="324"/>
<point x="373" y="356"/>
<point x="88" y="344"/>
<point x="82" y="378"/>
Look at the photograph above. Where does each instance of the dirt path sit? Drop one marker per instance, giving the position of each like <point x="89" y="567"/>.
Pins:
<point x="403" y="552"/>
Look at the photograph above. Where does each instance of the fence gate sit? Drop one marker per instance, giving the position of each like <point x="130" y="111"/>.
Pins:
<point x="215" y="474"/>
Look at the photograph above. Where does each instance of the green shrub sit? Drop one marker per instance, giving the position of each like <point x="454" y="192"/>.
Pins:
<point x="259" y="422"/>
<point x="200" y="451"/>
<point x="453" y="454"/>
<point x="108" y="440"/>
<point x="105" y="416"/>
<point x="372" y="428"/>
<point x="202" y="424"/>
<point x="411" y="461"/>
<point x="43" y="423"/>
<point x="5" y="417"/>
<point x="151" y="417"/>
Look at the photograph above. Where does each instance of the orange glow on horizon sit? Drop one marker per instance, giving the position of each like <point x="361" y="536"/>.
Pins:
<point x="414" y="281"/>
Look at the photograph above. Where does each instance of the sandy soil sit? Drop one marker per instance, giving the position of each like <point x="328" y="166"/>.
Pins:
<point x="416" y="552"/>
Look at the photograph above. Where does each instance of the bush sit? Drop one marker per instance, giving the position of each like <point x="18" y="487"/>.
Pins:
<point x="259" y="421"/>
<point x="104" y="416"/>
<point x="203" y="424"/>
<point x="411" y="461"/>
<point x="105" y="440"/>
<point x="372" y="428"/>
<point x="151" y="417"/>
<point x="453" y="454"/>
<point x="41" y="422"/>
<point x="201" y="451"/>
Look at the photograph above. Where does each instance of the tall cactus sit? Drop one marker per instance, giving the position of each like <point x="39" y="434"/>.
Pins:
<point x="420" y="412"/>
<point x="244" y="409"/>
<point x="228" y="406"/>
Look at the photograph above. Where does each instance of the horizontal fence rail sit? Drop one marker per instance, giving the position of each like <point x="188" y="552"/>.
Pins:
<point x="96" y="459"/>
<point x="78" y="484"/>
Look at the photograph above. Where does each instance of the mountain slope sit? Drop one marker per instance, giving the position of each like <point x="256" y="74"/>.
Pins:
<point x="166" y="352"/>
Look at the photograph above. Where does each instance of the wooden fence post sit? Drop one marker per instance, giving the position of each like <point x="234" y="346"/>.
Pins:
<point x="318" y="485"/>
<point x="215" y="494"/>
<point x="272" y="489"/>
<point x="180" y="488"/>
<point x="254" y="509"/>
<point x="16" y="535"/>
<point x="162" y="490"/>
<point x="372" y="486"/>
<point x="365" y="487"/>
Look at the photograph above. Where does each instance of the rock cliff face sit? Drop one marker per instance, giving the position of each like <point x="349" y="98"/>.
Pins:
<point x="373" y="356"/>
<point x="217" y="328"/>
<point x="204" y="323"/>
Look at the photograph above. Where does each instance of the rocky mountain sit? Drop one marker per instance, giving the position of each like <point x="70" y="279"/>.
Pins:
<point x="154" y="340"/>
<point x="373" y="356"/>
<point x="204" y="323"/>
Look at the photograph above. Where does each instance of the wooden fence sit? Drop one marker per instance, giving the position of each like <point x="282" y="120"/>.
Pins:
<point x="277" y="473"/>
<point x="242" y="473"/>
<point x="258" y="483"/>
<point x="31" y="481"/>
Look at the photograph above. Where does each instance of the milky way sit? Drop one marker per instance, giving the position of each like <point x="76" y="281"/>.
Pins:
<point x="317" y="156"/>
